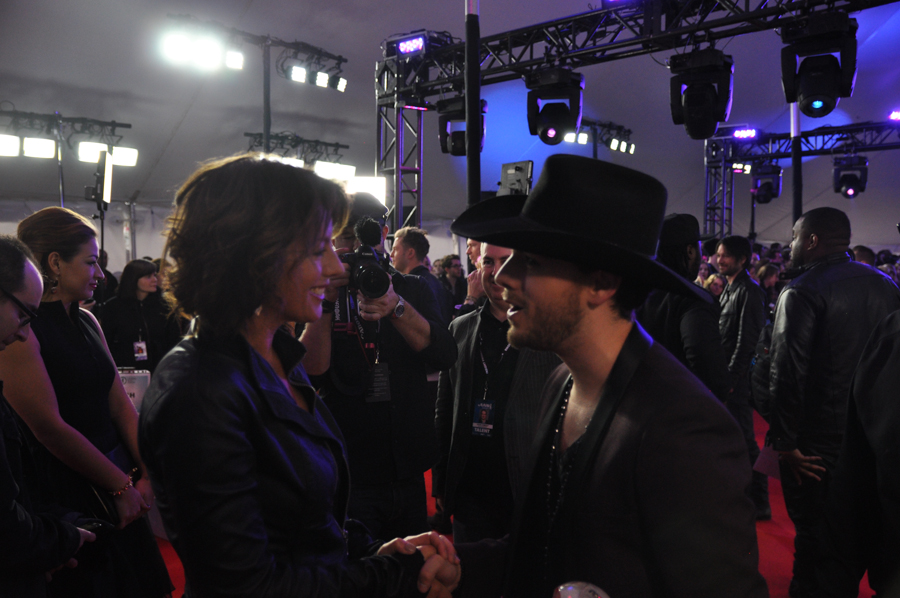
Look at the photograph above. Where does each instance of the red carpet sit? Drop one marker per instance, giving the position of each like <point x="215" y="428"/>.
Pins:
<point x="776" y="541"/>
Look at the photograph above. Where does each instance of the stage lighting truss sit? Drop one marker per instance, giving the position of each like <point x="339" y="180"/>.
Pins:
<point x="821" y="80"/>
<point x="700" y="91"/>
<point x="851" y="173"/>
<point x="452" y="113"/>
<point x="616" y="137"/>
<point x="766" y="182"/>
<point x="554" y="103"/>
<point x="297" y="151"/>
<point x="47" y="126"/>
<point x="310" y="68"/>
<point x="208" y="46"/>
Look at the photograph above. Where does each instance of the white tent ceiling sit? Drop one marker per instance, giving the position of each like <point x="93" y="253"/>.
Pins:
<point x="100" y="59"/>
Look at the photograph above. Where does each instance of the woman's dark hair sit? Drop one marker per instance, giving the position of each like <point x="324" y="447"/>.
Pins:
<point x="235" y="219"/>
<point x="134" y="270"/>
<point x="55" y="229"/>
<point x="13" y="254"/>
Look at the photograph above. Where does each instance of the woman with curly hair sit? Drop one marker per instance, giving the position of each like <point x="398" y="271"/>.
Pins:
<point x="248" y="463"/>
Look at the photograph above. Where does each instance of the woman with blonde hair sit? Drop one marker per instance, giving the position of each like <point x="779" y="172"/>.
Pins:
<point x="64" y="385"/>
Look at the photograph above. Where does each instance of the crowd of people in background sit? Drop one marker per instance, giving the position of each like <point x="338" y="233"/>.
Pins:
<point x="465" y="365"/>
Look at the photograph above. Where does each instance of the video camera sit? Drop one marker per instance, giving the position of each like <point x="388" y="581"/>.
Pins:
<point x="370" y="271"/>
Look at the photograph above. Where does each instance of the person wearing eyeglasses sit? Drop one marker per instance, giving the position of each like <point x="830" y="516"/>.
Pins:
<point x="31" y="543"/>
<point x="82" y="426"/>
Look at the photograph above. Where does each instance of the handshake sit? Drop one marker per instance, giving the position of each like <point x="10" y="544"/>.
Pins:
<point x="441" y="572"/>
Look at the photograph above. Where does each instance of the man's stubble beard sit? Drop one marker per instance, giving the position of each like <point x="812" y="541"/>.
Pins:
<point x="548" y="326"/>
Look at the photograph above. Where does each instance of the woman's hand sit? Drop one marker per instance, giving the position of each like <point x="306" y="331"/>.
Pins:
<point x="130" y="505"/>
<point x="143" y="486"/>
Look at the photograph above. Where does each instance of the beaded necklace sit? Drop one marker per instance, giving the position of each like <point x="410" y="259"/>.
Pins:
<point x="555" y="456"/>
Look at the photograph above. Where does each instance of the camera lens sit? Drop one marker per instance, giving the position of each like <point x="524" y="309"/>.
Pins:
<point x="373" y="281"/>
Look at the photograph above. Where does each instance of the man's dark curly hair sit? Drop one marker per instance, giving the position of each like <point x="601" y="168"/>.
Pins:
<point x="234" y="232"/>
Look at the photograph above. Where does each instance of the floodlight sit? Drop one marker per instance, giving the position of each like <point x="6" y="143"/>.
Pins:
<point x="298" y="74"/>
<point x="850" y="175"/>
<point x="582" y="138"/>
<point x="569" y="137"/>
<point x="9" y="145"/>
<point x="554" y="103"/>
<point x="631" y="149"/>
<point x="766" y="182"/>
<point x="895" y="115"/>
<point x="451" y="111"/>
<point x="234" y="59"/>
<point x="700" y="91"/>
<point x="295" y="162"/>
<point x="821" y="80"/>
<point x="176" y="47"/>
<point x="333" y="171"/>
<point x="374" y="185"/>
<point x="614" y="144"/>
<point x="89" y="151"/>
<point x="322" y="79"/>
<point x="744" y="134"/>
<point x="207" y="54"/>
<point x="337" y="82"/>
<point x="124" y="156"/>
<point x="38" y="148"/>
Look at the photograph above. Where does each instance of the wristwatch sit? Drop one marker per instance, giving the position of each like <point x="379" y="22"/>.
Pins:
<point x="399" y="309"/>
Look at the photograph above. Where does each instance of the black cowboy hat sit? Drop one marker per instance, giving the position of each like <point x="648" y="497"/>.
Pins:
<point x="596" y="214"/>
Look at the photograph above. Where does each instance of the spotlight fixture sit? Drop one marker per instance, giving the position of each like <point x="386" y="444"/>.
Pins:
<point x="298" y="74"/>
<point x="700" y="91"/>
<point x="234" y="59"/>
<point x="452" y="111"/>
<point x="850" y="175"/>
<point x="895" y="115"/>
<point x="744" y="134"/>
<point x="9" y="145"/>
<point x="89" y="151"/>
<point x="766" y="184"/>
<point x="554" y="103"/>
<point x="821" y="80"/>
<point x="34" y="147"/>
<point x="321" y="79"/>
<point x="337" y="82"/>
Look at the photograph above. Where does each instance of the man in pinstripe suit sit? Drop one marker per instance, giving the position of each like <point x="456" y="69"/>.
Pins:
<point x="486" y="414"/>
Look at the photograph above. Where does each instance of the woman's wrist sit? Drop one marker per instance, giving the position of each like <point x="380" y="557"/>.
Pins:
<point x="126" y="486"/>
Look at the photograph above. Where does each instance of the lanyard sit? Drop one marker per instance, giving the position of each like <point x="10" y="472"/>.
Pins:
<point x="484" y="362"/>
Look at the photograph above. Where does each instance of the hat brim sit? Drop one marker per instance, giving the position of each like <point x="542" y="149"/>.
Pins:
<point x="498" y="221"/>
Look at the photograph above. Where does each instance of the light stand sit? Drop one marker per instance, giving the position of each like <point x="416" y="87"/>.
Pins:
<point x="265" y="42"/>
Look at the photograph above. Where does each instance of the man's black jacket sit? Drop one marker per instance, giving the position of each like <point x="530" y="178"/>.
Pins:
<point x="822" y="322"/>
<point x="740" y="322"/>
<point x="689" y="328"/>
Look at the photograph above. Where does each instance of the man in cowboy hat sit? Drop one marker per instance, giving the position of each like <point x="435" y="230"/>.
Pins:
<point x="636" y="477"/>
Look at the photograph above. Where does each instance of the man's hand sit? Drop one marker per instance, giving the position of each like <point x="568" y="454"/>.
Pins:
<point x="476" y="289"/>
<point x="376" y="309"/>
<point x="433" y="540"/>
<point x="801" y="464"/>
<point x="438" y="569"/>
<point x="340" y="280"/>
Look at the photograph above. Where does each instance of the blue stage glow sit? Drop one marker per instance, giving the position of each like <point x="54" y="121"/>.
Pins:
<point x="745" y="134"/>
<point x="817" y="104"/>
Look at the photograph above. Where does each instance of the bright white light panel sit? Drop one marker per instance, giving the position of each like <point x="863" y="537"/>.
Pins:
<point x="38" y="148"/>
<point x="376" y="185"/>
<point x="9" y="145"/>
<point x="335" y="172"/>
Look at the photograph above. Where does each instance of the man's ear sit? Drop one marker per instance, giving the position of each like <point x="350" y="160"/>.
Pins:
<point x="813" y="241"/>
<point x="603" y="287"/>
<point x="384" y="233"/>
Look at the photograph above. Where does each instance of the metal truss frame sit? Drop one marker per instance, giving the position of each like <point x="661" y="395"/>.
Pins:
<point x="722" y="153"/>
<point x="616" y="31"/>
<point x="308" y="150"/>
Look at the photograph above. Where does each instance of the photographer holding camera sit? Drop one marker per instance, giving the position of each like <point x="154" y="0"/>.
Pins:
<point x="379" y="334"/>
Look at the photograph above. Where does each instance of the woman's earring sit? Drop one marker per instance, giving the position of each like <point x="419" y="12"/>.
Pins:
<point x="54" y="285"/>
<point x="258" y="311"/>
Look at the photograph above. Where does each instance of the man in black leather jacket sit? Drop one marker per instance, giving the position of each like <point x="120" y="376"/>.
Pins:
<point x="743" y="316"/>
<point x="822" y="322"/>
